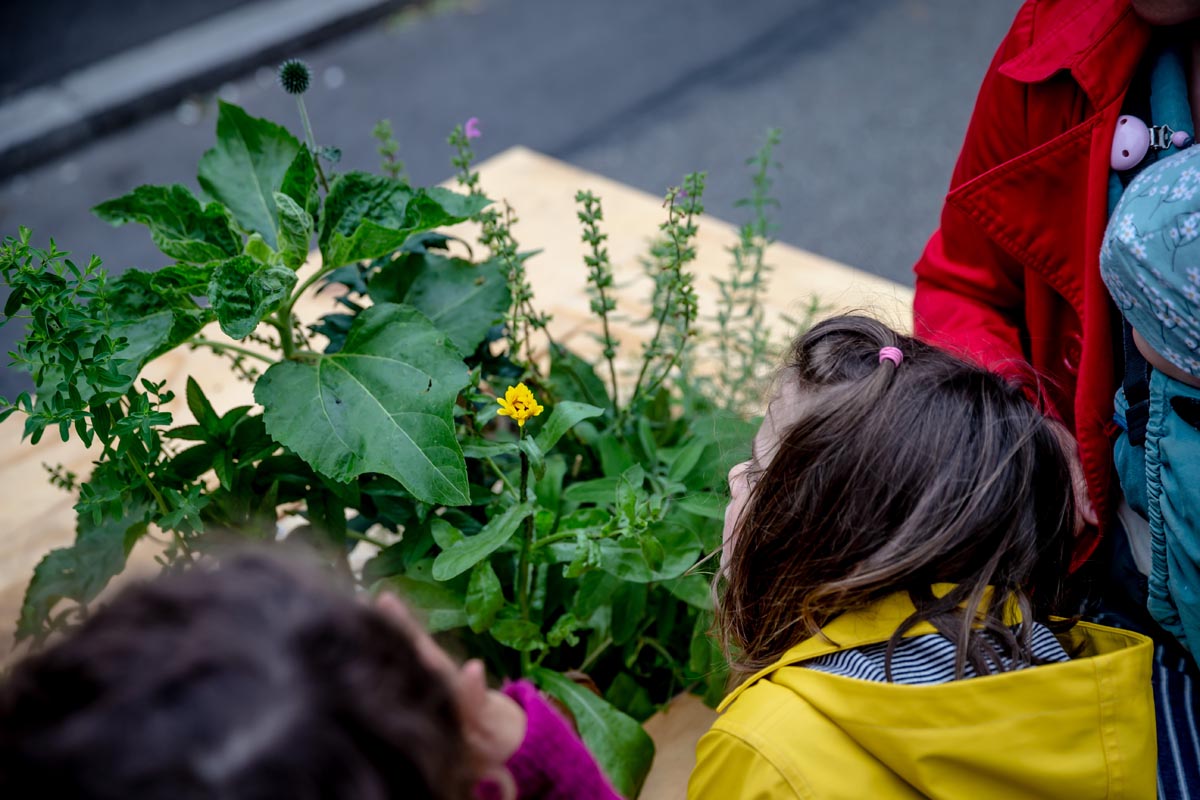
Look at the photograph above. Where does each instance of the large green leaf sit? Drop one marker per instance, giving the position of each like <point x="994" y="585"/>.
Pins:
<point x="79" y="572"/>
<point x="247" y="167"/>
<point x="242" y="291"/>
<point x="462" y="298"/>
<point x="623" y="750"/>
<point x="136" y="295"/>
<point x="144" y="337"/>
<point x="384" y="403"/>
<point x="465" y="554"/>
<point x="178" y="225"/>
<point x="368" y="216"/>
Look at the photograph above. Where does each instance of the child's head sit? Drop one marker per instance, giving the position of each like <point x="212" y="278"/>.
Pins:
<point x="869" y="478"/>
<point x="251" y="681"/>
<point x="1150" y="262"/>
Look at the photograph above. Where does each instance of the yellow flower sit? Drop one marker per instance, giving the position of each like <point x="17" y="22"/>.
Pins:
<point x="518" y="402"/>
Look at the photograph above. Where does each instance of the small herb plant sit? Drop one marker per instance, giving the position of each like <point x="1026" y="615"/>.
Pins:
<point x="551" y="518"/>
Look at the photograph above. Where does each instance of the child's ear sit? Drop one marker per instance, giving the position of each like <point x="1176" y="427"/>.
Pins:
<point x="1188" y="409"/>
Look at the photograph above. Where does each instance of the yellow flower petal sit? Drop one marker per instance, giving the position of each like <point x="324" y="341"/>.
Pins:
<point x="519" y="404"/>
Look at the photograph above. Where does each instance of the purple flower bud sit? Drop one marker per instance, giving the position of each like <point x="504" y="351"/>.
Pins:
<point x="471" y="129"/>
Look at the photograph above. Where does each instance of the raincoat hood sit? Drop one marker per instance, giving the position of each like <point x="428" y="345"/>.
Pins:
<point x="1078" y="729"/>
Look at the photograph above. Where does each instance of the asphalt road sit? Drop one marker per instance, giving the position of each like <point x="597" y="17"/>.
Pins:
<point x="873" y="97"/>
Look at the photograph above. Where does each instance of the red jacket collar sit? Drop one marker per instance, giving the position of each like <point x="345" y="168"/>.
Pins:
<point x="1099" y="41"/>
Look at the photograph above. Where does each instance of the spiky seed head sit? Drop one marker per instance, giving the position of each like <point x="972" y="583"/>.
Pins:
<point x="294" y="76"/>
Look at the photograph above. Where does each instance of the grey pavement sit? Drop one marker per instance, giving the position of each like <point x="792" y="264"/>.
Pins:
<point x="873" y="97"/>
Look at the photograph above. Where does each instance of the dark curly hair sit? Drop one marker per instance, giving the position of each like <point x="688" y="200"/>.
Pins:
<point x="250" y="680"/>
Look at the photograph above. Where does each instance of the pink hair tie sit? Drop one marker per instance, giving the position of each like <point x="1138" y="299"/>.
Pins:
<point x="892" y="354"/>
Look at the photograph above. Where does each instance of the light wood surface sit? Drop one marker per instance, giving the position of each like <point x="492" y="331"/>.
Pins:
<point x="37" y="517"/>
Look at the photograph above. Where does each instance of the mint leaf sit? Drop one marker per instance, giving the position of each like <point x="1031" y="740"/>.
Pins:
<point x="178" y="225"/>
<point x="383" y="403"/>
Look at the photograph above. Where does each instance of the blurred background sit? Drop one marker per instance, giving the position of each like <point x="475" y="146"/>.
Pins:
<point x="873" y="97"/>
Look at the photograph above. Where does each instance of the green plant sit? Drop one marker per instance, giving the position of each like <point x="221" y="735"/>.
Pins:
<point x="569" y="542"/>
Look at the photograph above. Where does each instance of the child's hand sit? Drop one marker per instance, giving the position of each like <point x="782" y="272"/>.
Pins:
<point x="493" y="724"/>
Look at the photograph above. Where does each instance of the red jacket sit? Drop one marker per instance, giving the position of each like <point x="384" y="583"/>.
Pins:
<point x="1013" y="274"/>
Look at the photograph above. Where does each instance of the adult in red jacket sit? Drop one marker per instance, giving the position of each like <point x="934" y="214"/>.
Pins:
<point x="1012" y="277"/>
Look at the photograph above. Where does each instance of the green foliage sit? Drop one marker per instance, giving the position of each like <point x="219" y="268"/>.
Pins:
<point x="249" y="164"/>
<point x="600" y="278"/>
<point x="389" y="150"/>
<point x="571" y="543"/>
<point x="369" y="216"/>
<point x="177" y="223"/>
<point x="623" y="749"/>
<point x="242" y="291"/>
<point x="460" y="297"/>
<point x="381" y="404"/>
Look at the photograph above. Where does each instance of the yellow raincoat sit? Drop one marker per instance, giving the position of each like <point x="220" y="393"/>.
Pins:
<point x="1076" y="730"/>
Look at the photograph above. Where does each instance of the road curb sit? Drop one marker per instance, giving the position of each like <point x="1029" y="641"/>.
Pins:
<point x="47" y="120"/>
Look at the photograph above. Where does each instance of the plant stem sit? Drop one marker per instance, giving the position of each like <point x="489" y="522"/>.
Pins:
<point x="162" y="503"/>
<point x="312" y="142"/>
<point x="662" y="319"/>
<point x="612" y="367"/>
<point x="500" y="474"/>
<point x="687" y="319"/>
<point x="655" y="644"/>
<point x="286" y="341"/>
<point x="524" y="571"/>
<point x="283" y="317"/>
<point x="158" y="498"/>
<point x="558" y="537"/>
<point x="592" y="656"/>
<point x="233" y="348"/>
<point x="309" y="281"/>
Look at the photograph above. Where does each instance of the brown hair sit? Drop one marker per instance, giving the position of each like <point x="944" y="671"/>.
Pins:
<point x="248" y="681"/>
<point x="892" y="479"/>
